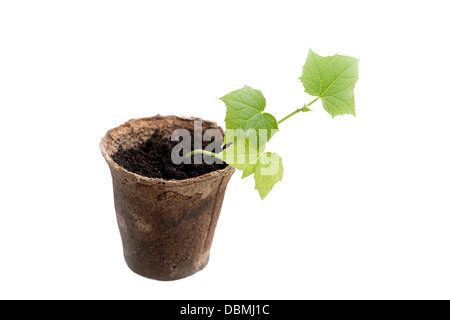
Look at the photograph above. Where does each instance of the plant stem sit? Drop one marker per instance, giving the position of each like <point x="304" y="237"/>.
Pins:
<point x="218" y="156"/>
<point x="206" y="153"/>
<point x="297" y="111"/>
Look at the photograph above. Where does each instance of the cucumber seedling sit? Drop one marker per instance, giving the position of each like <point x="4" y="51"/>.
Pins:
<point x="249" y="128"/>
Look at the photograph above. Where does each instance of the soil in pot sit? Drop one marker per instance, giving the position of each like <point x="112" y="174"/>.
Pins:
<point x="153" y="159"/>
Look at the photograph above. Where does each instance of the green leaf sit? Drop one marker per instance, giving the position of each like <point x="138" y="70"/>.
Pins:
<point x="242" y="154"/>
<point x="332" y="79"/>
<point x="267" y="167"/>
<point x="245" y="111"/>
<point x="268" y="171"/>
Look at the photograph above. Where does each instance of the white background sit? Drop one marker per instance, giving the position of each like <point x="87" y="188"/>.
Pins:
<point x="363" y="211"/>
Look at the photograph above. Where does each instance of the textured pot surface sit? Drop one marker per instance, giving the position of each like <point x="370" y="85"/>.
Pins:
<point x="167" y="226"/>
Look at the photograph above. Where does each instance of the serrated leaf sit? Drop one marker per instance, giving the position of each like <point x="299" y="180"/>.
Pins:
<point x="268" y="171"/>
<point x="332" y="79"/>
<point x="245" y="111"/>
<point x="267" y="167"/>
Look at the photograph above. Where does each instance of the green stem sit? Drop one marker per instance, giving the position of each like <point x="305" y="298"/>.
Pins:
<point x="297" y="111"/>
<point x="218" y="156"/>
<point x="207" y="153"/>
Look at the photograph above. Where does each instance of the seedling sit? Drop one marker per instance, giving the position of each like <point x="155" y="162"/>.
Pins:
<point x="249" y="128"/>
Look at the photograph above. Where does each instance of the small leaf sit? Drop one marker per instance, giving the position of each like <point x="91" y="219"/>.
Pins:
<point x="332" y="79"/>
<point x="242" y="155"/>
<point x="245" y="111"/>
<point x="268" y="171"/>
<point x="267" y="167"/>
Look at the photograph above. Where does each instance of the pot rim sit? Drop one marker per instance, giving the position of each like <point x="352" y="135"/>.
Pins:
<point x="159" y="181"/>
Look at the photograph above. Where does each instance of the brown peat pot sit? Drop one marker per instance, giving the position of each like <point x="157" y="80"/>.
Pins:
<point x="167" y="226"/>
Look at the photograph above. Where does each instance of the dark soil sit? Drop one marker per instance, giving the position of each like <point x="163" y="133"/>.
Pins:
<point x="153" y="159"/>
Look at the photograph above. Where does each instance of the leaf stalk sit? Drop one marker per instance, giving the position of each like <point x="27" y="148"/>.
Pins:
<point x="304" y="109"/>
<point x="206" y="153"/>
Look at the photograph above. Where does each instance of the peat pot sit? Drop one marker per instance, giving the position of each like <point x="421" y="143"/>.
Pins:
<point x="167" y="226"/>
